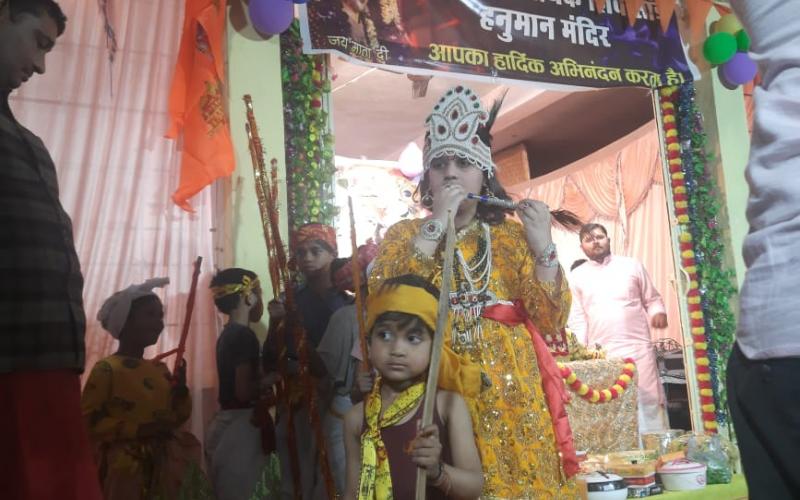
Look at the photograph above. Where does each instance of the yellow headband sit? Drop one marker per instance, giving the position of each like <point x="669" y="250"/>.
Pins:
<point x="456" y="373"/>
<point x="405" y="299"/>
<point x="244" y="288"/>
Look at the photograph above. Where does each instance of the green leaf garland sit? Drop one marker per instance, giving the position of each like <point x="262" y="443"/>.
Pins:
<point x="310" y="166"/>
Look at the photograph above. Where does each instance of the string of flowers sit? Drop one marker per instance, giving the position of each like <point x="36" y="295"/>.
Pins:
<point x="688" y="263"/>
<point x="716" y="283"/>
<point x="599" y="395"/>
<point x="701" y="251"/>
<point x="309" y="144"/>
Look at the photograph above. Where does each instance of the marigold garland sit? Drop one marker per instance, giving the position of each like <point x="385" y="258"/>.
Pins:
<point x="602" y="395"/>
<point x="696" y="207"/>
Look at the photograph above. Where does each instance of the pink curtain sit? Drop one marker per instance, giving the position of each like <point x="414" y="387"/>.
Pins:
<point x="116" y="174"/>
<point x="621" y="187"/>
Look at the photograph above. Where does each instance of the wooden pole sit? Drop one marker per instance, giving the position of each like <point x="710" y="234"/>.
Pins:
<point x="187" y="319"/>
<point x="362" y="328"/>
<point x="442" y="319"/>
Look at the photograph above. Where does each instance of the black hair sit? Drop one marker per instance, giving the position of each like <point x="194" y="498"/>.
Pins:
<point x="405" y="320"/>
<point x="230" y="276"/>
<point x="588" y="228"/>
<point x="140" y="302"/>
<point x="578" y="263"/>
<point x="37" y="8"/>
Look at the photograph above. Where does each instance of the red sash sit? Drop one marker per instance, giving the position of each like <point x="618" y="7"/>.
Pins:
<point x="554" y="391"/>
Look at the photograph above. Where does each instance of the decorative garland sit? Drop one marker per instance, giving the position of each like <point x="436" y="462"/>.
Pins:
<point x="309" y="144"/>
<point x="701" y="250"/>
<point x="599" y="395"/>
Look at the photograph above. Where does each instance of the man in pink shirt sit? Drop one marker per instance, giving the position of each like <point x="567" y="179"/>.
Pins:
<point x="614" y="304"/>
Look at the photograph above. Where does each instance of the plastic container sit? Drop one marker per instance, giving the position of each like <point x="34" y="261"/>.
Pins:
<point x="602" y="486"/>
<point x="662" y="442"/>
<point x="682" y="475"/>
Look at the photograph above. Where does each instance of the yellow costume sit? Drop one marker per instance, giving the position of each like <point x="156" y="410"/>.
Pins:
<point x="133" y="414"/>
<point x="511" y="420"/>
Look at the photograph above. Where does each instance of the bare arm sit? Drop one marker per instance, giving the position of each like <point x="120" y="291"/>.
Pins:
<point x="352" y="446"/>
<point x="363" y="384"/>
<point x="537" y="221"/>
<point x="463" y="479"/>
<point x="465" y="472"/>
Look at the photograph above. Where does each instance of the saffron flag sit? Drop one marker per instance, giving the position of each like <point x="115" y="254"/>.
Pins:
<point x="197" y="100"/>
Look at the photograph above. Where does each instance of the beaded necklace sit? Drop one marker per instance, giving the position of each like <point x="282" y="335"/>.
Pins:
<point x="471" y="292"/>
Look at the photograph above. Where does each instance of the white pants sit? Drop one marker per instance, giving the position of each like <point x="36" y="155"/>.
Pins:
<point x="652" y="418"/>
<point x="234" y="457"/>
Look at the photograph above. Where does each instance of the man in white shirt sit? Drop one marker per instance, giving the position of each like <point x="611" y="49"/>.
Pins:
<point x="764" y="368"/>
<point x="614" y="304"/>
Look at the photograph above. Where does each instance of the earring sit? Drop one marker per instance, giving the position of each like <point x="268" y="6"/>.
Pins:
<point x="427" y="200"/>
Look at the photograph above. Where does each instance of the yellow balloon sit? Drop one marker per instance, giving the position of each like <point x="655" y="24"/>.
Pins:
<point x="729" y="24"/>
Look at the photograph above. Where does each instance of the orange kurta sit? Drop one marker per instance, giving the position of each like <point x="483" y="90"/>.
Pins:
<point x="511" y="420"/>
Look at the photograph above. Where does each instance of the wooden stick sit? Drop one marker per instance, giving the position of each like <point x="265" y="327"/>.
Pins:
<point x="362" y="327"/>
<point x="442" y="319"/>
<point x="187" y="319"/>
<point x="165" y="354"/>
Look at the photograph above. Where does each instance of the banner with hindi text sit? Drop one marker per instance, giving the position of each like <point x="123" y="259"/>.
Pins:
<point x="563" y="42"/>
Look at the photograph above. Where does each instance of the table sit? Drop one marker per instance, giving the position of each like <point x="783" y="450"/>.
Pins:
<point x="601" y="428"/>
<point x="735" y="490"/>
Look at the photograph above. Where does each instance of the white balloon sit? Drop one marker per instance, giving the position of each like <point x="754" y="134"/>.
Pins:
<point x="411" y="161"/>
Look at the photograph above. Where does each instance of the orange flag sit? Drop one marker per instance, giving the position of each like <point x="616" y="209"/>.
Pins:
<point x="600" y="4"/>
<point x="665" y="10"/>
<point x="633" y="7"/>
<point x="197" y="100"/>
<point x="698" y="12"/>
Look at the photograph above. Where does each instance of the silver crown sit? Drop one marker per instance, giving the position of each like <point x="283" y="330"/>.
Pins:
<point x="453" y="130"/>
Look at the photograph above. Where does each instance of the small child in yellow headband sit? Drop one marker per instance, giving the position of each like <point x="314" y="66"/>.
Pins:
<point x="382" y="437"/>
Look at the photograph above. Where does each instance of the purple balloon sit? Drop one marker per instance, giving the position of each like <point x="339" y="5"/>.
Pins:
<point x="725" y="83"/>
<point x="740" y="69"/>
<point x="271" y="17"/>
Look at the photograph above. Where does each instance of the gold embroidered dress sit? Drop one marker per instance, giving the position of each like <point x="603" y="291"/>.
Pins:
<point x="511" y="420"/>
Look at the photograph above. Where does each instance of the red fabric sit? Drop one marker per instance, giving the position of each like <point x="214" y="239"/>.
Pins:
<point x="343" y="278"/>
<point x="312" y="232"/>
<point x="45" y="445"/>
<point x="197" y="100"/>
<point x="553" y="386"/>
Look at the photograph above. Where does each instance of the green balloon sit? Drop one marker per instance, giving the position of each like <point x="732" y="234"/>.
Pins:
<point x="742" y="41"/>
<point x="719" y="48"/>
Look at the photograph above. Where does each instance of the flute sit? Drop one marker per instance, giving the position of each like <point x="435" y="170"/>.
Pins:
<point x="491" y="200"/>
